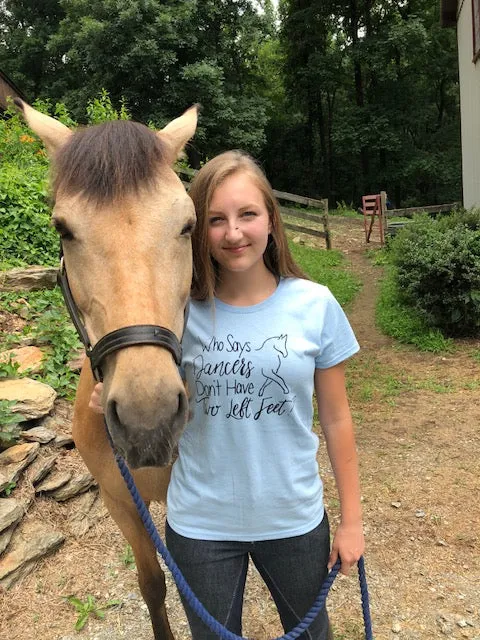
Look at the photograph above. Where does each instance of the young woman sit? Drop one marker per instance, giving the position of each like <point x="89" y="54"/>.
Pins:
<point x="260" y="340"/>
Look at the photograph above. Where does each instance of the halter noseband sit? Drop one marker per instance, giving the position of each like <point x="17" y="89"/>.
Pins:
<point x="120" y="338"/>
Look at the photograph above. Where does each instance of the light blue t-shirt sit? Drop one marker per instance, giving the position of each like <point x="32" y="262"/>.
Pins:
<point x="247" y="466"/>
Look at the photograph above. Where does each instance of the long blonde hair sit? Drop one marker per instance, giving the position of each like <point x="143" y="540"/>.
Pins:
<point x="277" y="256"/>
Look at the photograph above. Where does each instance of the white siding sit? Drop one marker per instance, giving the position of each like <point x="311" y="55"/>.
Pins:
<point x="469" y="106"/>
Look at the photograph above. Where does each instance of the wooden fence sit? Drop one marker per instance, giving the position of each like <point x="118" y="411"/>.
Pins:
<point x="315" y="211"/>
<point x="375" y="209"/>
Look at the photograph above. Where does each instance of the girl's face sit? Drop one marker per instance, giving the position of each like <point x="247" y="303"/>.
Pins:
<point x="238" y="224"/>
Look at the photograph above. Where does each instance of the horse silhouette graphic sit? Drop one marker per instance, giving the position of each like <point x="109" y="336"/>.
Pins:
<point x="274" y="349"/>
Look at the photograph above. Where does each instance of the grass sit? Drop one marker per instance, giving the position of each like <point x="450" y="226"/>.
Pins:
<point x="476" y="355"/>
<point x="345" y="210"/>
<point x="404" y="323"/>
<point x="328" y="268"/>
<point x="371" y="381"/>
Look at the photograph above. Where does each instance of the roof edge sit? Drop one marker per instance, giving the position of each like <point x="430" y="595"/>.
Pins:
<point x="13" y="86"/>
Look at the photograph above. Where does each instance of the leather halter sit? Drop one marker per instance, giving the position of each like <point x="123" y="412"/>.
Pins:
<point x="120" y="338"/>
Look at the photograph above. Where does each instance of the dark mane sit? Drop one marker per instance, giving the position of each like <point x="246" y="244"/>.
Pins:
<point x="108" y="161"/>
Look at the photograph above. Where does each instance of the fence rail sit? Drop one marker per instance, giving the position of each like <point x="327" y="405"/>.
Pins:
<point x="409" y="212"/>
<point x="287" y="213"/>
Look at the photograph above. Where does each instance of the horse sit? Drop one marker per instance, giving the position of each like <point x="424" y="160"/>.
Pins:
<point x="275" y="348"/>
<point x="125" y="223"/>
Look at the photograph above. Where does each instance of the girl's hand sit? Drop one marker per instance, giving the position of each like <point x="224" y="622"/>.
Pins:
<point x="95" y="403"/>
<point x="349" y="544"/>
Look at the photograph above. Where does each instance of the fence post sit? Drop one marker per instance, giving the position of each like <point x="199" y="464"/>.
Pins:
<point x="326" y="225"/>
<point x="383" y="216"/>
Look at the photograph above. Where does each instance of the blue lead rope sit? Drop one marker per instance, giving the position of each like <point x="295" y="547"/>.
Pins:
<point x="198" y="607"/>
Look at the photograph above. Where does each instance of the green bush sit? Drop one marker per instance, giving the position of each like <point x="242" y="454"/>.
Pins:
<point x="461" y="218"/>
<point x="403" y="322"/>
<point x="438" y="271"/>
<point x="26" y="235"/>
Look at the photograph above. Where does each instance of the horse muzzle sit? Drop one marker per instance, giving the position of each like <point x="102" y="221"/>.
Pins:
<point x="143" y="438"/>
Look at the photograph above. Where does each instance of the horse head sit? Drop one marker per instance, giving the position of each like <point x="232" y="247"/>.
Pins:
<point x="125" y="222"/>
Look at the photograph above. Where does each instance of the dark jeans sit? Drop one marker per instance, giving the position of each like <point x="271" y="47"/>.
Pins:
<point x="293" y="570"/>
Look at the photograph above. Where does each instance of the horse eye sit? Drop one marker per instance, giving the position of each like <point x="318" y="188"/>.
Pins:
<point x="62" y="230"/>
<point x="188" y="229"/>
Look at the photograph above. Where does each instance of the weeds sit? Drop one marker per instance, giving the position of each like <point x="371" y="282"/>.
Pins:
<point x="128" y="559"/>
<point x="9" y="488"/>
<point x="345" y="210"/>
<point x="9" y="424"/>
<point x="87" y="608"/>
<point x="9" y="368"/>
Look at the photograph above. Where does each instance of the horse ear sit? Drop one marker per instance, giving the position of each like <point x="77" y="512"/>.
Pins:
<point x="179" y="131"/>
<point x="53" y="133"/>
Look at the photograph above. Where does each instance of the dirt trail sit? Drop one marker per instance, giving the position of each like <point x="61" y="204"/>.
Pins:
<point x="420" y="480"/>
<point x="417" y="418"/>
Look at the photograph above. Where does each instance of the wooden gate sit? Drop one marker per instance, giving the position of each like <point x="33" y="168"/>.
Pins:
<point x="374" y="207"/>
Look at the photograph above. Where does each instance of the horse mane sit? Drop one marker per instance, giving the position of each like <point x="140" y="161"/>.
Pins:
<point x="108" y="161"/>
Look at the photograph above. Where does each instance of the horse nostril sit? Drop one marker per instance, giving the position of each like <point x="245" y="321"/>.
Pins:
<point x="182" y="406"/>
<point x="112" y="414"/>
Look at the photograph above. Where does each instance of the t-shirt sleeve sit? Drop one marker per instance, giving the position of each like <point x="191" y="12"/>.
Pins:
<point x="337" y="340"/>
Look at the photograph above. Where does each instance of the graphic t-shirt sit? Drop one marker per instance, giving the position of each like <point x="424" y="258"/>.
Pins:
<point x="247" y="465"/>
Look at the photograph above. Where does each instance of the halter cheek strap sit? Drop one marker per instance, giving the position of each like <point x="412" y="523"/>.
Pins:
<point x="120" y="338"/>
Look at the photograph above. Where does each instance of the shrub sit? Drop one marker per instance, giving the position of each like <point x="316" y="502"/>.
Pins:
<point x="438" y="271"/>
<point x="26" y="235"/>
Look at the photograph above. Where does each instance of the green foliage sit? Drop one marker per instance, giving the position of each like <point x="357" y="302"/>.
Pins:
<point x="9" y="368"/>
<point x="26" y="236"/>
<point x="470" y="219"/>
<point x="399" y="320"/>
<point x="128" y="559"/>
<point x="9" y="421"/>
<point x="337" y="98"/>
<point x="371" y="102"/>
<point x="438" y="271"/>
<point x="6" y="415"/>
<point x="327" y="268"/>
<point x="9" y="488"/>
<point x="344" y="209"/>
<point x="88" y="607"/>
<point x="101" y="109"/>
<point x="52" y="329"/>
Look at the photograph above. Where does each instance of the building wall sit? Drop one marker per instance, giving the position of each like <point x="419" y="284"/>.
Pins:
<point x="469" y="106"/>
<point x="7" y="88"/>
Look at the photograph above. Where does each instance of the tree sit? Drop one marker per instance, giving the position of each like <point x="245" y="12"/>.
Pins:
<point x="161" y="57"/>
<point x="25" y="28"/>
<point x="374" y="87"/>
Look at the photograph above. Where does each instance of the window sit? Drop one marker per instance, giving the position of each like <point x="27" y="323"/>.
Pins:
<point x="476" y="29"/>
